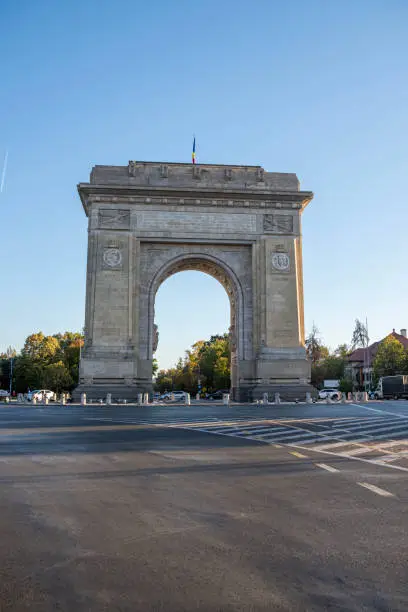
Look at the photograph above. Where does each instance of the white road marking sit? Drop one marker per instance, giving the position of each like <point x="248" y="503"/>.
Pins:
<point x="322" y="447"/>
<point x="363" y="460"/>
<point x="360" y="450"/>
<point x="375" y="489"/>
<point x="401" y="416"/>
<point x="263" y="429"/>
<point x="324" y="466"/>
<point x="379" y="428"/>
<point x="393" y="435"/>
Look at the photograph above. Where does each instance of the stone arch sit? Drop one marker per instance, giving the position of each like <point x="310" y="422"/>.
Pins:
<point x="240" y="224"/>
<point x="218" y="269"/>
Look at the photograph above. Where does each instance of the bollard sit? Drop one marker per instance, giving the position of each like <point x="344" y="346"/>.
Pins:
<point x="145" y="398"/>
<point x="265" y="398"/>
<point x="226" y="399"/>
<point x="63" y="399"/>
<point x="34" y="400"/>
<point x="83" y="399"/>
<point x="140" y="398"/>
<point x="187" y="399"/>
<point x="108" y="399"/>
<point x="277" y="398"/>
<point x="7" y="400"/>
<point x="364" y="396"/>
<point x="308" y="398"/>
<point x="125" y="401"/>
<point x="349" y="396"/>
<point x="197" y="396"/>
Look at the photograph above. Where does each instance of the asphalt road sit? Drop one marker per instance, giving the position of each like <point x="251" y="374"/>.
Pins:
<point x="204" y="508"/>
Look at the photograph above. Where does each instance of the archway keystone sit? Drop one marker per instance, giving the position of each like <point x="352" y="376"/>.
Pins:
<point x="239" y="224"/>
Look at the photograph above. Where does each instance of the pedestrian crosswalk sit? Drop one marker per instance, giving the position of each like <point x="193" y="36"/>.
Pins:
<point x="383" y="440"/>
<point x="370" y="434"/>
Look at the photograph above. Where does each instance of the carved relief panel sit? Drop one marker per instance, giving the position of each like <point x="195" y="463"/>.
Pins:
<point x="114" y="219"/>
<point x="278" y="224"/>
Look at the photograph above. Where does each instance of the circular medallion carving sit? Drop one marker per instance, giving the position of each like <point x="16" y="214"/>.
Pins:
<point x="281" y="261"/>
<point x="112" y="257"/>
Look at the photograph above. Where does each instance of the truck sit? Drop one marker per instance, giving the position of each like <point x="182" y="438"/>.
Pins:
<point x="392" y="387"/>
<point x="331" y="384"/>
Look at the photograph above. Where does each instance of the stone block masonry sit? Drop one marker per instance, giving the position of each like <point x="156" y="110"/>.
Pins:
<point x="241" y="224"/>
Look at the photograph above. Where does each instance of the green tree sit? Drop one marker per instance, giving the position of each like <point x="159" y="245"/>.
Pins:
<point x="56" y="377"/>
<point x="207" y="361"/>
<point x="28" y="374"/>
<point x="390" y="358"/>
<point x="155" y="367"/>
<point x="346" y="385"/>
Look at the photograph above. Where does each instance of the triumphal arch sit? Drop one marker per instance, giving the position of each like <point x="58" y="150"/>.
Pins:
<point x="240" y="224"/>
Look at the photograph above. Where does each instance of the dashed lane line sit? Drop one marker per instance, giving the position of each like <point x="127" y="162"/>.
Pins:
<point x="326" y="467"/>
<point x="375" y="489"/>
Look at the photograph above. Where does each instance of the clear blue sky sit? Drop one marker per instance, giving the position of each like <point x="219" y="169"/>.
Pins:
<point x="315" y="87"/>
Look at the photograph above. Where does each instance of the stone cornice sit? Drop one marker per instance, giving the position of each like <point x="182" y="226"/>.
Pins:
<point x="194" y="197"/>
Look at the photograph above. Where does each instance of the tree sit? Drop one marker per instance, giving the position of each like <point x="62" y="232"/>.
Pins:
<point x="342" y="351"/>
<point x="207" y="362"/>
<point x="155" y="367"/>
<point x="360" y="335"/>
<point x="314" y="348"/>
<point x="48" y="361"/>
<point x="346" y="385"/>
<point x="57" y="377"/>
<point x="41" y="348"/>
<point x="390" y="358"/>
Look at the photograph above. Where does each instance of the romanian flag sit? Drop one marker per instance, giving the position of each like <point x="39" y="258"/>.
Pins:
<point x="193" y="158"/>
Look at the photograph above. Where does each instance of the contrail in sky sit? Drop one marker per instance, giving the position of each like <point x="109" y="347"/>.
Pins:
<point x="3" y="174"/>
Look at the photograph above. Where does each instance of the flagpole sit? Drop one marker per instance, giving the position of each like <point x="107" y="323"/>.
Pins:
<point x="193" y="154"/>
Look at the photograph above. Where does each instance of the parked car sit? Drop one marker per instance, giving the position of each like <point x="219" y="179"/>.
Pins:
<point x="217" y="395"/>
<point x="178" y="396"/>
<point x="333" y="394"/>
<point x="40" y="394"/>
<point x="4" y="393"/>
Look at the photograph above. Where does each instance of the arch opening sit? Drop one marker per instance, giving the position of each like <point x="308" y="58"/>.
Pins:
<point x="209" y="266"/>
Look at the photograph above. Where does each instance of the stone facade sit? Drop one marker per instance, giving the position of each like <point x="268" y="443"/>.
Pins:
<point x="240" y="224"/>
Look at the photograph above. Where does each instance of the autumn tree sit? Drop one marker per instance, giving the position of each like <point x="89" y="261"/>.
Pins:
<point x="48" y="362"/>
